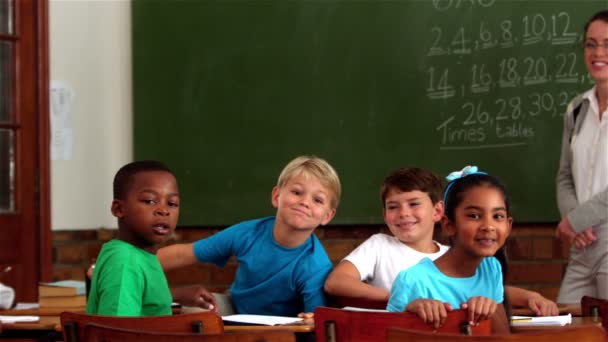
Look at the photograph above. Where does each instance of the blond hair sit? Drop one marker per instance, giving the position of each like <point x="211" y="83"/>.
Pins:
<point x="317" y="167"/>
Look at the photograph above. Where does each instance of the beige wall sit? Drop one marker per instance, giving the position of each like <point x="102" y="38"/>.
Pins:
<point x="90" y="50"/>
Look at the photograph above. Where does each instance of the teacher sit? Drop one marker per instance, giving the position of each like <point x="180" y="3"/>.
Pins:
<point x="582" y="179"/>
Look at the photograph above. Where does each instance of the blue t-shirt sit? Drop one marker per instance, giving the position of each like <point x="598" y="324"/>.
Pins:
<point x="425" y="280"/>
<point x="271" y="279"/>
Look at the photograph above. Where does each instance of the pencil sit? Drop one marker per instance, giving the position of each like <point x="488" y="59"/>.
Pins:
<point x="521" y="320"/>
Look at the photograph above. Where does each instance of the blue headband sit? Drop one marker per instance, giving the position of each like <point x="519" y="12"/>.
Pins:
<point x="456" y="175"/>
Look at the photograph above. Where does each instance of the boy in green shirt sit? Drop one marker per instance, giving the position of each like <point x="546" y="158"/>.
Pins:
<point x="128" y="279"/>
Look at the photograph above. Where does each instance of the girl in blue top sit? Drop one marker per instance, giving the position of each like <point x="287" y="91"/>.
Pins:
<point x="467" y="276"/>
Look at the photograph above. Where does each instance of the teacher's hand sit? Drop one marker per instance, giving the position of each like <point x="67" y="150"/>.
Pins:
<point x="584" y="238"/>
<point x="564" y="231"/>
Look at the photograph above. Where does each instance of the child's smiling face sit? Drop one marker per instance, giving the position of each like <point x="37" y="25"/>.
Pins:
<point x="411" y="216"/>
<point x="303" y="202"/>
<point x="481" y="222"/>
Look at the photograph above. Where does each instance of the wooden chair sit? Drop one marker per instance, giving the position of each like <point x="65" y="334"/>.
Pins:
<point x="100" y="333"/>
<point x="566" y="334"/>
<point x="199" y="322"/>
<point x="339" y="325"/>
<point x="595" y="307"/>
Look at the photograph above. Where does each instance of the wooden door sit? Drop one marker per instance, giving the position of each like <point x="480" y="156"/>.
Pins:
<point x="24" y="138"/>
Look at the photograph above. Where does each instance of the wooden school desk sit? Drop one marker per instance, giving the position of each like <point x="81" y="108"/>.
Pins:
<point x="48" y="327"/>
<point x="574" y="309"/>
<point x="296" y="327"/>
<point x="584" y="321"/>
<point x="306" y="328"/>
<point x="49" y="318"/>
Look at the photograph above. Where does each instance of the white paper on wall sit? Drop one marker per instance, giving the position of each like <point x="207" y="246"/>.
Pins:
<point x="62" y="136"/>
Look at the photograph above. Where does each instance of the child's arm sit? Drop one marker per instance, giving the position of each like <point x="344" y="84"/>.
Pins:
<point x="500" y="321"/>
<point x="175" y="256"/>
<point x="541" y="306"/>
<point x="433" y="312"/>
<point x="345" y="280"/>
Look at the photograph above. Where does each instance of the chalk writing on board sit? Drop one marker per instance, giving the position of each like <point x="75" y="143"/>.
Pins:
<point x="444" y="5"/>
<point x="500" y="102"/>
<point x="535" y="29"/>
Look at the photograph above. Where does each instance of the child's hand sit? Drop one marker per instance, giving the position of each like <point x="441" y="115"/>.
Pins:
<point x="542" y="306"/>
<point x="480" y="309"/>
<point x="196" y="296"/>
<point x="432" y="312"/>
<point x="309" y="317"/>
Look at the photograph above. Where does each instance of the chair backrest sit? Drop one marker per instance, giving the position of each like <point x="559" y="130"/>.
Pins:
<point x="339" y="325"/>
<point x="100" y="333"/>
<point x="208" y="322"/>
<point x="342" y="301"/>
<point x="565" y="334"/>
<point x="595" y="307"/>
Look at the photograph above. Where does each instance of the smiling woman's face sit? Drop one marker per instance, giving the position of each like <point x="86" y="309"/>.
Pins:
<point x="596" y="51"/>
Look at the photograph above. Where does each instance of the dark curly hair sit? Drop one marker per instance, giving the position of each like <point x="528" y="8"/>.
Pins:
<point x="124" y="176"/>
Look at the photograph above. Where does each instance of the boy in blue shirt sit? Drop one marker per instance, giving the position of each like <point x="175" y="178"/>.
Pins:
<point x="128" y="279"/>
<point x="282" y="264"/>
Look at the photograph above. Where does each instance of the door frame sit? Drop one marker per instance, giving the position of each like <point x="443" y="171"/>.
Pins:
<point x="45" y="269"/>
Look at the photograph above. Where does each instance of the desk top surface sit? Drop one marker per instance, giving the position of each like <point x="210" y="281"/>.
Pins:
<point x="574" y="309"/>
<point x="50" y="320"/>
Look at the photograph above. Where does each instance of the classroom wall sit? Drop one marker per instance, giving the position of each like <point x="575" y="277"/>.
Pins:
<point x="90" y="50"/>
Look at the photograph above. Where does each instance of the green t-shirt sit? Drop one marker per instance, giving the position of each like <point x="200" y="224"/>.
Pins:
<point x="128" y="281"/>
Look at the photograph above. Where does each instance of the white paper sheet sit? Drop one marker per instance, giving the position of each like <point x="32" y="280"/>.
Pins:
<point x="521" y="321"/>
<point x="26" y="306"/>
<point x="16" y="319"/>
<point x="62" y="135"/>
<point x="261" y="319"/>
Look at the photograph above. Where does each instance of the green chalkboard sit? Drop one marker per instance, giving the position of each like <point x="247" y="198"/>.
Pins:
<point x="227" y="92"/>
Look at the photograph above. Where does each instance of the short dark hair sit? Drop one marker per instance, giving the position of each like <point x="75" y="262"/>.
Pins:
<point x="124" y="177"/>
<point x="601" y="15"/>
<point x="412" y="179"/>
<point x="455" y="192"/>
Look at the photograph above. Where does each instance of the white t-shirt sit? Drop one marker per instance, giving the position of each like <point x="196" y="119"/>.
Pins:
<point x="381" y="257"/>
